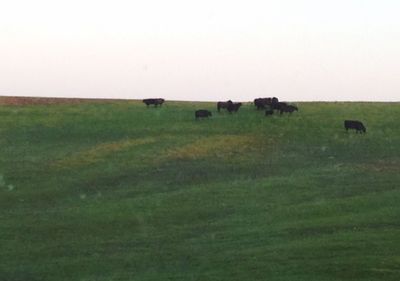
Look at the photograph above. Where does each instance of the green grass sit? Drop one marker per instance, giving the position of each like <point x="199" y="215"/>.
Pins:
<point x="118" y="191"/>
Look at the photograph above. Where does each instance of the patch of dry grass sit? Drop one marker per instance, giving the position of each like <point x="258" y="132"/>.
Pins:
<point x="21" y="101"/>
<point x="220" y="146"/>
<point x="99" y="152"/>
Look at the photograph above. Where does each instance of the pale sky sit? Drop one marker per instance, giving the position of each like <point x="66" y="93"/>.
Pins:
<point x="296" y="50"/>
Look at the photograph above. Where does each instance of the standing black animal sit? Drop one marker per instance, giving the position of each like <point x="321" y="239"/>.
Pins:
<point x="234" y="107"/>
<point x="154" y="102"/>
<point x="274" y="100"/>
<point x="202" y="113"/>
<point x="223" y="104"/>
<point x="356" y="125"/>
<point x="261" y="103"/>
<point x="278" y="105"/>
<point x="288" y="108"/>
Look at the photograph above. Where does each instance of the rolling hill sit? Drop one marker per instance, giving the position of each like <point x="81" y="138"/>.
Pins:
<point x="112" y="190"/>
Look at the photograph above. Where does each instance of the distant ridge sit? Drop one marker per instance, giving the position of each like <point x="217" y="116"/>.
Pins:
<point x="23" y="100"/>
<point x="12" y="100"/>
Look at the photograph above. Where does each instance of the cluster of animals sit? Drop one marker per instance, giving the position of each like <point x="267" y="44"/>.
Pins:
<point x="271" y="104"/>
<point x="267" y="104"/>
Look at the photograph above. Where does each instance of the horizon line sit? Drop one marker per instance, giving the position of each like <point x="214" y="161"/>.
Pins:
<point x="178" y="100"/>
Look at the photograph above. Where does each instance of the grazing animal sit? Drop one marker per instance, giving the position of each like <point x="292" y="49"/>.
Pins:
<point x="356" y="125"/>
<point x="223" y="104"/>
<point x="288" y="108"/>
<point x="277" y="106"/>
<point x="234" y="107"/>
<point x="154" y="102"/>
<point x="202" y="113"/>
<point x="269" y="112"/>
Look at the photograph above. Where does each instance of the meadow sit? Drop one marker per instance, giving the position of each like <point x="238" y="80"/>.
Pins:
<point x="104" y="191"/>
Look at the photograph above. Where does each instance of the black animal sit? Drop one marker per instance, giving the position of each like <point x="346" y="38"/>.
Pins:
<point x="277" y="106"/>
<point x="223" y="104"/>
<point x="356" y="125"/>
<point x="274" y="100"/>
<point x="234" y="107"/>
<point x="261" y="103"/>
<point x="269" y="112"/>
<point x="287" y="108"/>
<point x="154" y="102"/>
<point x="202" y="113"/>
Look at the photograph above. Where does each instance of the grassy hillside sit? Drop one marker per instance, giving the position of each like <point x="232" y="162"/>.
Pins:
<point x="118" y="191"/>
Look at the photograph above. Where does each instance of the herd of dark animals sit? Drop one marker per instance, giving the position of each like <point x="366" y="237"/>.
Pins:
<point x="267" y="104"/>
<point x="271" y="104"/>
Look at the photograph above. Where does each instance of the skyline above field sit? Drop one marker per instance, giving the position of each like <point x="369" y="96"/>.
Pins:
<point x="304" y="50"/>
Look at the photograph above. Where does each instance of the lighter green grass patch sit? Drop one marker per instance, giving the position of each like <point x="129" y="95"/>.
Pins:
<point x="99" y="152"/>
<point x="220" y="146"/>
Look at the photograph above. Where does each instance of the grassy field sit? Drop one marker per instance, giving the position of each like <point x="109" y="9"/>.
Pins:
<point x="117" y="191"/>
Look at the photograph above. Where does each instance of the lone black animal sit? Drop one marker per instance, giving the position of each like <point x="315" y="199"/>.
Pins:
<point x="223" y="104"/>
<point x="234" y="107"/>
<point x="288" y="108"/>
<point x="154" y="102"/>
<point x="202" y="113"/>
<point x="356" y="125"/>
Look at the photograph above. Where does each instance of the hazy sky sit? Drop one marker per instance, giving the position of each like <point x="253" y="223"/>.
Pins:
<point x="201" y="50"/>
